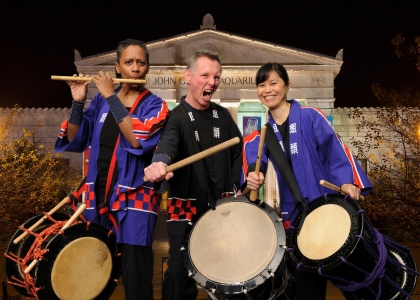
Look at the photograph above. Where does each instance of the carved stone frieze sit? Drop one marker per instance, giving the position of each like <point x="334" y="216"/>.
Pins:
<point x="318" y="79"/>
<point x="209" y="46"/>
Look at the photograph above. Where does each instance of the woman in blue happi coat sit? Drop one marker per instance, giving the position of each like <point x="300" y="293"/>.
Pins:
<point x="313" y="151"/>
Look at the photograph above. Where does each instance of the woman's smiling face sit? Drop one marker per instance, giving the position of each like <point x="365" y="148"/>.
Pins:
<point x="273" y="91"/>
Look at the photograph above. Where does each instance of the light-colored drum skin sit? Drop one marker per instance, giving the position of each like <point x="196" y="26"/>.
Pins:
<point x="324" y="231"/>
<point x="82" y="269"/>
<point x="82" y="263"/>
<point x="233" y="243"/>
<point x="329" y="231"/>
<point x="238" y="246"/>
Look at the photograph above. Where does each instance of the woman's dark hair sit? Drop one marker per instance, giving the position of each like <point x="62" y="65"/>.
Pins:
<point x="130" y="42"/>
<point x="264" y="71"/>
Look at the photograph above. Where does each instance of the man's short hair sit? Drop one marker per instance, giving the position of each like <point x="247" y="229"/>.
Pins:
<point x="192" y="61"/>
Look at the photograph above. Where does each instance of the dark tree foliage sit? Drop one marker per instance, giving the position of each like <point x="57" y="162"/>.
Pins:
<point x="391" y="147"/>
<point x="409" y="51"/>
<point x="32" y="179"/>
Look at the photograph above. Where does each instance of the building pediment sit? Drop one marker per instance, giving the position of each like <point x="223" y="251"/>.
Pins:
<point x="311" y="74"/>
<point x="234" y="50"/>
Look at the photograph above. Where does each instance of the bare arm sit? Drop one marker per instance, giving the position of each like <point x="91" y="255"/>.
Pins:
<point x="126" y="127"/>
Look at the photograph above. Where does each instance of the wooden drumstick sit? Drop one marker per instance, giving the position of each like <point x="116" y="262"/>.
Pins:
<point x="40" y="221"/>
<point x="76" y="214"/>
<point x="31" y="266"/>
<point x="336" y="188"/>
<point x="72" y="78"/>
<point x="81" y="208"/>
<point x="254" y="194"/>
<point x="201" y="155"/>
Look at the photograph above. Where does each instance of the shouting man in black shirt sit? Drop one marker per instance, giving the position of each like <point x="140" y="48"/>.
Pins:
<point x="196" y="124"/>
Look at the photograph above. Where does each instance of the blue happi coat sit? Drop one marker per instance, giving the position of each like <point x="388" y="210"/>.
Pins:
<point x="316" y="153"/>
<point x="134" y="201"/>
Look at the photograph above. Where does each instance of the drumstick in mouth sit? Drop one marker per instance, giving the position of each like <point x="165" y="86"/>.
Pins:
<point x="336" y="188"/>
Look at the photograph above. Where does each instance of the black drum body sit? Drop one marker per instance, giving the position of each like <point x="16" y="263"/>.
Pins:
<point x="338" y="241"/>
<point x="13" y="269"/>
<point x="236" y="250"/>
<point x="79" y="263"/>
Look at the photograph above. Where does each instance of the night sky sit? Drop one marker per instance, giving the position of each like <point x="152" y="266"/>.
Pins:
<point x="38" y="38"/>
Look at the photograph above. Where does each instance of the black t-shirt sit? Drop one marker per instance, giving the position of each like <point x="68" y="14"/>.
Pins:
<point x="204" y="122"/>
<point x="108" y="138"/>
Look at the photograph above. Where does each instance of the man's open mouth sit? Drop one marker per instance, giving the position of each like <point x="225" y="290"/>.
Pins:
<point x="207" y="93"/>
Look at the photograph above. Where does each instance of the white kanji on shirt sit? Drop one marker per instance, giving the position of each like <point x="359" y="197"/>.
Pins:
<point x="103" y="117"/>
<point x="292" y="128"/>
<point x="197" y="138"/>
<point x="215" y="114"/>
<point x="275" y="128"/>
<point x="191" y="116"/>
<point x="281" y="144"/>
<point x="216" y="132"/>
<point x="293" y="148"/>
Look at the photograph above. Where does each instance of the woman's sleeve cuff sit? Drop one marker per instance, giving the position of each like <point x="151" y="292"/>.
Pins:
<point x="119" y="111"/>
<point x="161" y="157"/>
<point x="76" y="113"/>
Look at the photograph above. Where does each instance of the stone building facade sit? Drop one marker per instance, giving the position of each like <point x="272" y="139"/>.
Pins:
<point x="311" y="75"/>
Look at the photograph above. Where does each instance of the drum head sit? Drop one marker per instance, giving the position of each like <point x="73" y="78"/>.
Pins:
<point x="330" y="231"/>
<point x="235" y="243"/>
<point x="82" y="269"/>
<point x="81" y="264"/>
<point x="324" y="231"/>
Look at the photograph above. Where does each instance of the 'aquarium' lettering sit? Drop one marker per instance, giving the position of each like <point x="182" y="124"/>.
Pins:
<point x="230" y="80"/>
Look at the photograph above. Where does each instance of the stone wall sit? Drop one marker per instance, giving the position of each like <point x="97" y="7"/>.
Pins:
<point x="346" y="127"/>
<point x="45" y="123"/>
<point x="49" y="120"/>
<point x="347" y="130"/>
